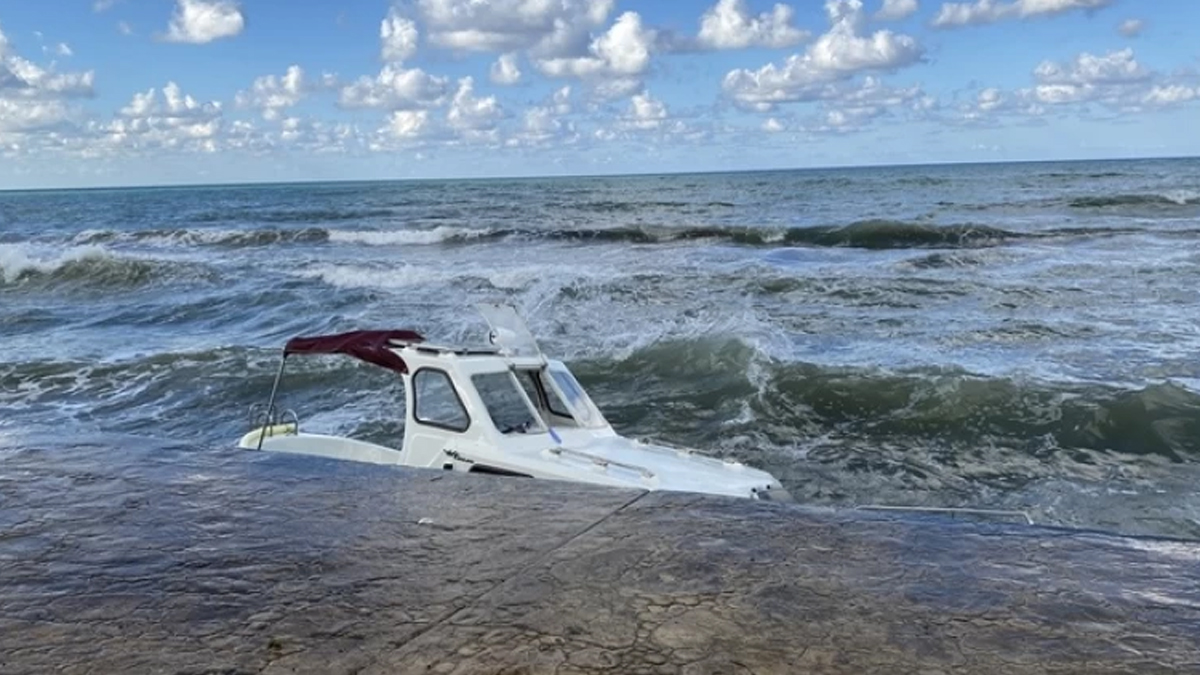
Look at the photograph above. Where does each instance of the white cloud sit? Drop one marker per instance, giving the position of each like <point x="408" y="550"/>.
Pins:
<point x="23" y="78"/>
<point x="850" y="108"/>
<point x="545" y="124"/>
<point x="605" y="56"/>
<point x="273" y="94"/>
<point x="1131" y="27"/>
<point x="398" y="37"/>
<point x="407" y="124"/>
<point x="990" y="99"/>
<point x="729" y="25"/>
<point x="954" y="14"/>
<point x="646" y="112"/>
<point x="547" y="27"/>
<point x="622" y="51"/>
<point x="28" y="115"/>
<point x="540" y="125"/>
<point x="103" y="5"/>
<point x="615" y="88"/>
<point x="395" y="88"/>
<point x="33" y="97"/>
<point x="895" y="10"/>
<point x="1115" y="80"/>
<point x="964" y="14"/>
<point x="841" y="53"/>
<point x="470" y="113"/>
<point x="124" y="28"/>
<point x="317" y="137"/>
<point x="561" y="101"/>
<point x="1165" y="95"/>
<point x="992" y="102"/>
<point x="1119" y="67"/>
<point x="505" y="70"/>
<point x="173" y="103"/>
<point x="202" y="21"/>
<point x="172" y="120"/>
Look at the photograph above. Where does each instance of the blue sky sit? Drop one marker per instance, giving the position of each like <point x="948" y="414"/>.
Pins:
<point x="118" y="92"/>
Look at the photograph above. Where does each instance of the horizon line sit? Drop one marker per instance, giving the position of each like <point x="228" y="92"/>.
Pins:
<point x="568" y="176"/>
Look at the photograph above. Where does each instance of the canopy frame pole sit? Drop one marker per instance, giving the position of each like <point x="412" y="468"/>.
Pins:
<point x="270" y="421"/>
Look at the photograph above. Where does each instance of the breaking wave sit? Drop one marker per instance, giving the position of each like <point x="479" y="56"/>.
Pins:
<point x="867" y="234"/>
<point x="87" y="266"/>
<point x="205" y="237"/>
<point x="791" y="403"/>
<point x="871" y="234"/>
<point x="1169" y="198"/>
<point x="437" y="235"/>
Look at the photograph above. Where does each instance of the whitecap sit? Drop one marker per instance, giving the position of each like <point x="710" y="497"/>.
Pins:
<point x="1182" y="197"/>
<point x="17" y="260"/>
<point x="436" y="235"/>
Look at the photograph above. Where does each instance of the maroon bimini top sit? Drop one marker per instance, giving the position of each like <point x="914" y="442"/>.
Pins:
<point x="366" y="345"/>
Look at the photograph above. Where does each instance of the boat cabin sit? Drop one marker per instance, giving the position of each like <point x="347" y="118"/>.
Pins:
<point x="503" y="409"/>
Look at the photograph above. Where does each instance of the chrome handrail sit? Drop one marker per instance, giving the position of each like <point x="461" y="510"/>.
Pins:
<point x="290" y="414"/>
<point x="667" y="447"/>
<point x="261" y="415"/>
<point x="264" y="418"/>
<point x="603" y="461"/>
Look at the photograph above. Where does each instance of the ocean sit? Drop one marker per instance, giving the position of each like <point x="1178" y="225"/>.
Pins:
<point x="1007" y="336"/>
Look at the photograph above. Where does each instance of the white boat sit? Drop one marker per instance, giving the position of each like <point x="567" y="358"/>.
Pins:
<point x="502" y="409"/>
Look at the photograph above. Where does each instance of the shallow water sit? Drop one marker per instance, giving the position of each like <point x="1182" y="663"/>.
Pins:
<point x="1002" y="336"/>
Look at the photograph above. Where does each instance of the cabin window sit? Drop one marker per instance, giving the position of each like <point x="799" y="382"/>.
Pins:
<point x="580" y="403"/>
<point x="543" y="396"/>
<point x="437" y="403"/>
<point x="554" y="403"/>
<point x="505" y="403"/>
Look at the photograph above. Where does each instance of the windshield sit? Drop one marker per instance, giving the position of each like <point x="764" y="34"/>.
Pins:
<point x="582" y="409"/>
<point x="506" y="403"/>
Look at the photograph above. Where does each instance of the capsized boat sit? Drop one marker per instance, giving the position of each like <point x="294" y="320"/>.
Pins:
<point x="505" y="408"/>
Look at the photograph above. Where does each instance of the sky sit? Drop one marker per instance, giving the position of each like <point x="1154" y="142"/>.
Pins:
<point x="145" y="92"/>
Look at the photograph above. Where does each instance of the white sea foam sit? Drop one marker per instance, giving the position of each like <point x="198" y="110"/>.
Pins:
<point x="524" y="277"/>
<point x="1182" y="197"/>
<point x="19" y="259"/>
<point x="196" y="236"/>
<point x="362" y="276"/>
<point x="436" y="235"/>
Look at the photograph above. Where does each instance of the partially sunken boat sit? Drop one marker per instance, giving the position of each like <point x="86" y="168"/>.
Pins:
<point x="502" y="409"/>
